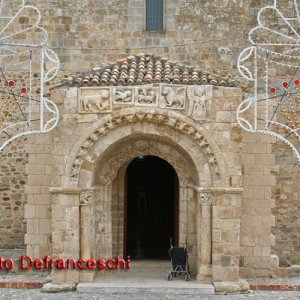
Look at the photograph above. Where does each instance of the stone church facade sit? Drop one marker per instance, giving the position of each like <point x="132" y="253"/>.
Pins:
<point x="68" y="196"/>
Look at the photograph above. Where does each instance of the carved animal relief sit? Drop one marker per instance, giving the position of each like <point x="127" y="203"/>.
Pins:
<point x="147" y="96"/>
<point x="123" y="96"/>
<point x="173" y="97"/>
<point x="93" y="100"/>
<point x="196" y="101"/>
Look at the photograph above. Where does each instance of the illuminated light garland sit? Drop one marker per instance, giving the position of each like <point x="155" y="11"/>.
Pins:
<point x="261" y="54"/>
<point x="16" y="100"/>
<point x="31" y="50"/>
<point x="290" y="109"/>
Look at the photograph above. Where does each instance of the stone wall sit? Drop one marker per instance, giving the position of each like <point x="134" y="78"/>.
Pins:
<point x="12" y="197"/>
<point x="209" y="34"/>
<point x="287" y="210"/>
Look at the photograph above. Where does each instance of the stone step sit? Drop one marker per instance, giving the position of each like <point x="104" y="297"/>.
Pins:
<point x="293" y="270"/>
<point x="150" y="264"/>
<point x="144" y="287"/>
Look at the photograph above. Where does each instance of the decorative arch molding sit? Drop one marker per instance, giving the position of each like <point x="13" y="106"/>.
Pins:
<point x="127" y="149"/>
<point x="82" y="151"/>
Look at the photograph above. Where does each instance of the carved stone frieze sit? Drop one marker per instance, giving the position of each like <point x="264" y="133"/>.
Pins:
<point x="195" y="101"/>
<point x="123" y="96"/>
<point x="200" y="106"/>
<point x="94" y="100"/>
<point x="172" y="97"/>
<point x="147" y="96"/>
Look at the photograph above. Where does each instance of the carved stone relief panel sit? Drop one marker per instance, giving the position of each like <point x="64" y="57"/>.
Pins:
<point x="94" y="100"/>
<point x="123" y="95"/>
<point x="147" y="96"/>
<point x="200" y="103"/>
<point x="172" y="96"/>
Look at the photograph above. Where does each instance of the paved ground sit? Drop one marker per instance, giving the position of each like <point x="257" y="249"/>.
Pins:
<point x="29" y="294"/>
<point x="36" y="294"/>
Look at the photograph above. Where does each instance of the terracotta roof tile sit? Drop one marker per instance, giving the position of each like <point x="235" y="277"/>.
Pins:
<point x="146" y="69"/>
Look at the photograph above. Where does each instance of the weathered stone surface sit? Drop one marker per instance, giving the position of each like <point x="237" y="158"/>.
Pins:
<point x="57" y="288"/>
<point x="231" y="287"/>
<point x="12" y="198"/>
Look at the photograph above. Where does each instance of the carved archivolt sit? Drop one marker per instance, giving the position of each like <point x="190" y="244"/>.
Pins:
<point x="125" y="153"/>
<point x="176" y="124"/>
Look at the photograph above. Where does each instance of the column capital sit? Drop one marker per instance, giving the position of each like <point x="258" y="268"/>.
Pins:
<point x="86" y="197"/>
<point x="205" y="198"/>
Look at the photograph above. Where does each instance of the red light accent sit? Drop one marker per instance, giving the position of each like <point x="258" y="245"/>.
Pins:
<point x="296" y="81"/>
<point x="273" y="90"/>
<point x="11" y="83"/>
<point x="24" y="90"/>
<point x="285" y="84"/>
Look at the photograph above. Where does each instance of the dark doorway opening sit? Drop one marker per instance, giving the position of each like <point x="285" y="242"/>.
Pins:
<point x="151" y="208"/>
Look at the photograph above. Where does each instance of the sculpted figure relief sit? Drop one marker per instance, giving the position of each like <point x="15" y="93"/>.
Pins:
<point x="147" y="96"/>
<point x="123" y="96"/>
<point x="173" y="97"/>
<point x="200" y="102"/>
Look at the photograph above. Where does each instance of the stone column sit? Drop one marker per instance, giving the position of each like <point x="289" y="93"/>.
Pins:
<point x="204" y="236"/>
<point x="86" y="204"/>
<point x="87" y="235"/>
<point x="104" y="221"/>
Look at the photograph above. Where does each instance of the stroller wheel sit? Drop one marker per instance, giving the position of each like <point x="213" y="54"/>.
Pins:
<point x="170" y="277"/>
<point x="187" y="277"/>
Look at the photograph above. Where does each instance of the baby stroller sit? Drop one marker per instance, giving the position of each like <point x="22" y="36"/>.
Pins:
<point x="179" y="261"/>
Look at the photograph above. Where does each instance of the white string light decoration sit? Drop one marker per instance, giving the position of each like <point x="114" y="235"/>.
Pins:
<point x="274" y="106"/>
<point x="26" y="65"/>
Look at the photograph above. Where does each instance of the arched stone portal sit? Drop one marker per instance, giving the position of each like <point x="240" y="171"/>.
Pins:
<point x="109" y="185"/>
<point x="190" y="127"/>
<point x="100" y="187"/>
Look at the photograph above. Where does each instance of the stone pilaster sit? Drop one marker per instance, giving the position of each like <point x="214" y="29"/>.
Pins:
<point x="226" y="220"/>
<point x="65" y="230"/>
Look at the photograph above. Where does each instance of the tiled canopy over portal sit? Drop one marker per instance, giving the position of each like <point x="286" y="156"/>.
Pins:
<point x="146" y="69"/>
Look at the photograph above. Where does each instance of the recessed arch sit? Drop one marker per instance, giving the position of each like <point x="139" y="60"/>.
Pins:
<point x="127" y="148"/>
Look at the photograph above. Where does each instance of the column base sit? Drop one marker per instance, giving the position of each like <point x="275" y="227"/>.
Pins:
<point x="87" y="276"/>
<point x="205" y="274"/>
<point x="231" y="286"/>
